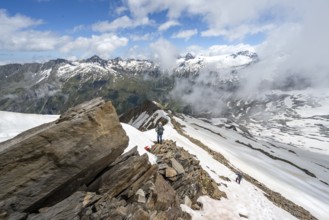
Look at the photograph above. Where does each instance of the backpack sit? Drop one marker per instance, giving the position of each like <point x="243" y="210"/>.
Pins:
<point x="159" y="129"/>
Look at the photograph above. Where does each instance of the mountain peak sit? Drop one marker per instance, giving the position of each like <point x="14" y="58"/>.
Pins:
<point x="189" y="56"/>
<point x="95" y="59"/>
<point x="247" y="53"/>
<point x="57" y="61"/>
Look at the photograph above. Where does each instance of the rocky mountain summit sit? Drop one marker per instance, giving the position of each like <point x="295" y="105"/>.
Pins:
<point x="74" y="168"/>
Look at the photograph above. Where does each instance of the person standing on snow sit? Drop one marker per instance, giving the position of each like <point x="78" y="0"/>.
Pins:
<point x="159" y="130"/>
<point x="238" y="178"/>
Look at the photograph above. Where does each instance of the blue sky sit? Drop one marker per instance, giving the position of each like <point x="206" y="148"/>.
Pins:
<point x="39" y="30"/>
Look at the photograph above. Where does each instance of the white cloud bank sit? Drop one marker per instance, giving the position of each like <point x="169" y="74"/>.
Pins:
<point x="102" y="45"/>
<point x="216" y="50"/>
<point x="298" y="49"/>
<point x="185" y="34"/>
<point x="120" y="23"/>
<point x="295" y="33"/>
<point x="17" y="34"/>
<point x="164" y="53"/>
<point x="295" y="53"/>
<point x="168" y="24"/>
<point x="232" y="19"/>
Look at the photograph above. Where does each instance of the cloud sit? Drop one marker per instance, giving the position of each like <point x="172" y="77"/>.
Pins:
<point x="168" y="24"/>
<point x="294" y="50"/>
<point x="79" y="28"/>
<point x="234" y="19"/>
<point x="164" y="53"/>
<point x="294" y="54"/>
<point x="120" y="23"/>
<point x="200" y="94"/>
<point x="16" y="34"/>
<point x="228" y="49"/>
<point x="138" y="52"/>
<point x="239" y="32"/>
<point x="120" y="10"/>
<point x="17" y="22"/>
<point x="185" y="34"/>
<point x="103" y="45"/>
<point x="31" y="41"/>
<point x="144" y="37"/>
<point x="295" y="30"/>
<point x="216" y="50"/>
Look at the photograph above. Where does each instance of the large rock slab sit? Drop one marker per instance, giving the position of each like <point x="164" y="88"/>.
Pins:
<point x="69" y="208"/>
<point x="46" y="164"/>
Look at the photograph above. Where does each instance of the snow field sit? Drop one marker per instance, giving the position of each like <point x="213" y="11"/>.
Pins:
<point x="12" y="124"/>
<point x="279" y="176"/>
<point x="244" y="199"/>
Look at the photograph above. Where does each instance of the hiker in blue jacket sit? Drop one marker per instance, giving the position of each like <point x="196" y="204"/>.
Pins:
<point x="159" y="130"/>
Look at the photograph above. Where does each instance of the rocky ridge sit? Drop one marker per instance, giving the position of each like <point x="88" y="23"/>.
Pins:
<point x="74" y="168"/>
<point x="275" y="197"/>
<point x="46" y="164"/>
<point x="185" y="174"/>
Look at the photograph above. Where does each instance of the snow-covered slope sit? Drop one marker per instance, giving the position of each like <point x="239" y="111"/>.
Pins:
<point x="296" y="173"/>
<point x="195" y="64"/>
<point x="243" y="199"/>
<point x="97" y="68"/>
<point x="299" y="118"/>
<point x="11" y="124"/>
<point x="299" y="175"/>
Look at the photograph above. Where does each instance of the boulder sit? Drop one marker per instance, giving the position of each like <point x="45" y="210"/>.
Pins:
<point x="177" y="166"/>
<point x="140" y="196"/>
<point x="69" y="208"/>
<point x="170" y="172"/>
<point x="187" y="201"/>
<point x="164" y="196"/>
<point x="124" y="174"/>
<point x="46" y="164"/>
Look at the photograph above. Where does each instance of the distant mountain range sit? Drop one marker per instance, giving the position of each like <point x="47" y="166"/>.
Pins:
<point x="202" y="86"/>
<point x="54" y="86"/>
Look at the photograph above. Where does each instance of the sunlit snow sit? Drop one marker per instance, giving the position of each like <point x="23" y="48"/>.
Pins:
<point x="244" y="199"/>
<point x="11" y="124"/>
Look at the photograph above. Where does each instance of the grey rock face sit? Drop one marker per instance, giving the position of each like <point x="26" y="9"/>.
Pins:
<point x="74" y="168"/>
<point x="48" y="163"/>
<point x="185" y="174"/>
<point x="68" y="208"/>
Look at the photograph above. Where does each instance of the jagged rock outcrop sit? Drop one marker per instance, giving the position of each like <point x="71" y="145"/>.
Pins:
<point x="185" y="174"/>
<point x="74" y="168"/>
<point x="46" y="164"/>
<point x="144" y="117"/>
<point x="138" y="193"/>
<point x="142" y="190"/>
<point x="133" y="189"/>
<point x="72" y="206"/>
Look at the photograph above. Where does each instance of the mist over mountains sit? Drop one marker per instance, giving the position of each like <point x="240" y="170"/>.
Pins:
<point x="56" y="85"/>
<point x="198" y="85"/>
